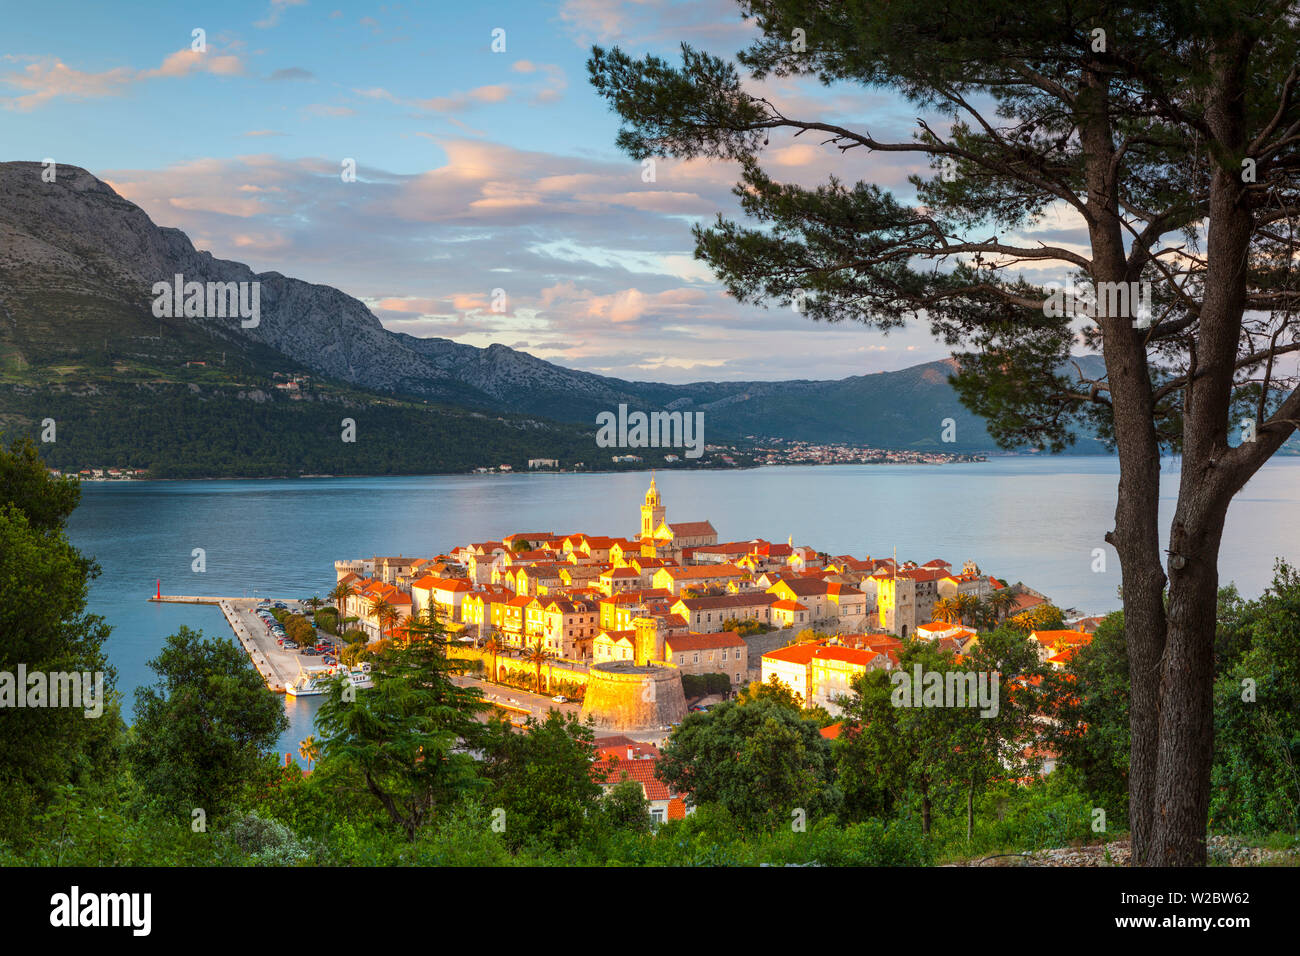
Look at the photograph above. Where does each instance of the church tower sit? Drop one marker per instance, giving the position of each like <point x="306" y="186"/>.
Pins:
<point x="653" y="511"/>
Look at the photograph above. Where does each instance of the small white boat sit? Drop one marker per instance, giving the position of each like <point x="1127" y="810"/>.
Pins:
<point x="314" y="682"/>
<point x="307" y="684"/>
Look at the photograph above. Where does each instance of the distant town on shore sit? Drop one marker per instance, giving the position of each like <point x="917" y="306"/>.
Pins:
<point x="773" y="452"/>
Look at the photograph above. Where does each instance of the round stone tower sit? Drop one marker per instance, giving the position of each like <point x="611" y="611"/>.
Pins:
<point x="624" y="696"/>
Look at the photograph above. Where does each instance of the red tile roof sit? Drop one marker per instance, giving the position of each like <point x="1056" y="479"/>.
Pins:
<point x="1052" y="638"/>
<point x="795" y="654"/>
<point x="802" y="586"/>
<point x="1023" y="603"/>
<point x="690" y="529"/>
<point x="607" y="747"/>
<point x="849" y="655"/>
<point x="722" y="601"/>
<point x="923" y="574"/>
<point x="842" y="589"/>
<point x="642" y="771"/>
<point x="705" y="571"/>
<point x="701" y="642"/>
<point x="431" y="583"/>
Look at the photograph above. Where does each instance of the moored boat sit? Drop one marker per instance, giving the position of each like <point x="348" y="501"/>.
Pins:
<point x="307" y="684"/>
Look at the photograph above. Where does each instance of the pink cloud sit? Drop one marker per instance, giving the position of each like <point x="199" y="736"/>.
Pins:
<point x="228" y="205"/>
<point x="459" y="101"/>
<point x="48" y="78"/>
<point x="185" y="62"/>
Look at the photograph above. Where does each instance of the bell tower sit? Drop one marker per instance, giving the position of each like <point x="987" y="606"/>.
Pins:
<point x="653" y="511"/>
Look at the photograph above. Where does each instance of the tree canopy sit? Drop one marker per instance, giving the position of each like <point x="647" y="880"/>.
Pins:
<point x="1149" y="156"/>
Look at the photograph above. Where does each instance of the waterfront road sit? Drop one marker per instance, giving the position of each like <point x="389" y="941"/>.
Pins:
<point x="538" y="705"/>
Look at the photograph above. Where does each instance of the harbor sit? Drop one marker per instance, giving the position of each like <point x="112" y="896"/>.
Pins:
<point x="278" y="667"/>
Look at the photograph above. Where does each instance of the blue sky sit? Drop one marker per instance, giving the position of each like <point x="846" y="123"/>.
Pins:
<point x="476" y="169"/>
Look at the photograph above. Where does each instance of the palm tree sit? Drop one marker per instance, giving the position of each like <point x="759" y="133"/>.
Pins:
<point x="1001" y="601"/>
<point x="379" y="609"/>
<point x="537" y="656"/>
<point x="340" y="596"/>
<point x="494" y="645"/>
<point x="966" y="605"/>
<point x="314" y="602"/>
<point x="946" y="610"/>
<point x="309" y="750"/>
<point x="389" y="618"/>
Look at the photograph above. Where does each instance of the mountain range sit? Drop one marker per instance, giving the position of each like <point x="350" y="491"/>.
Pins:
<point x="78" y="263"/>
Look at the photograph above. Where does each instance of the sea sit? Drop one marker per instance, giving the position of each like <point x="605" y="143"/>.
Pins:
<point x="1036" y="520"/>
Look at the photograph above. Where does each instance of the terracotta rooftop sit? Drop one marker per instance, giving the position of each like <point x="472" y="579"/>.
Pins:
<point x="701" y="642"/>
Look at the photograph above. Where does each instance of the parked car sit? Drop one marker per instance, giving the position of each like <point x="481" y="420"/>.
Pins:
<point x="290" y="646"/>
<point x="312" y="652"/>
<point x="560" y="699"/>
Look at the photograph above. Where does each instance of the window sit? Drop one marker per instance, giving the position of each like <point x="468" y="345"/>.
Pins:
<point x="724" y="653"/>
<point x="697" y="658"/>
<point x="657" y="815"/>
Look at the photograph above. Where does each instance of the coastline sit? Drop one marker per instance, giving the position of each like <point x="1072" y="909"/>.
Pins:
<point x="538" y="473"/>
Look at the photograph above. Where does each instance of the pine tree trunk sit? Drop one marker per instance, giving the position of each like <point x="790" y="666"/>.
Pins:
<point x="1182" y="797"/>
<point x="1136" y="537"/>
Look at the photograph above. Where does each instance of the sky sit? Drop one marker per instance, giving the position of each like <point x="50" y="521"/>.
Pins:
<point x="476" y="169"/>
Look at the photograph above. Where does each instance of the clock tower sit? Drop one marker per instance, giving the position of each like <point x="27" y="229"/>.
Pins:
<point x="653" y="511"/>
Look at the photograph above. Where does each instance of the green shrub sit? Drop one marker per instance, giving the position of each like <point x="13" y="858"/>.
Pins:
<point x="266" y="842"/>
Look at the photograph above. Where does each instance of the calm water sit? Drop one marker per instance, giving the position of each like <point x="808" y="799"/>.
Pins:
<point x="1035" y="520"/>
